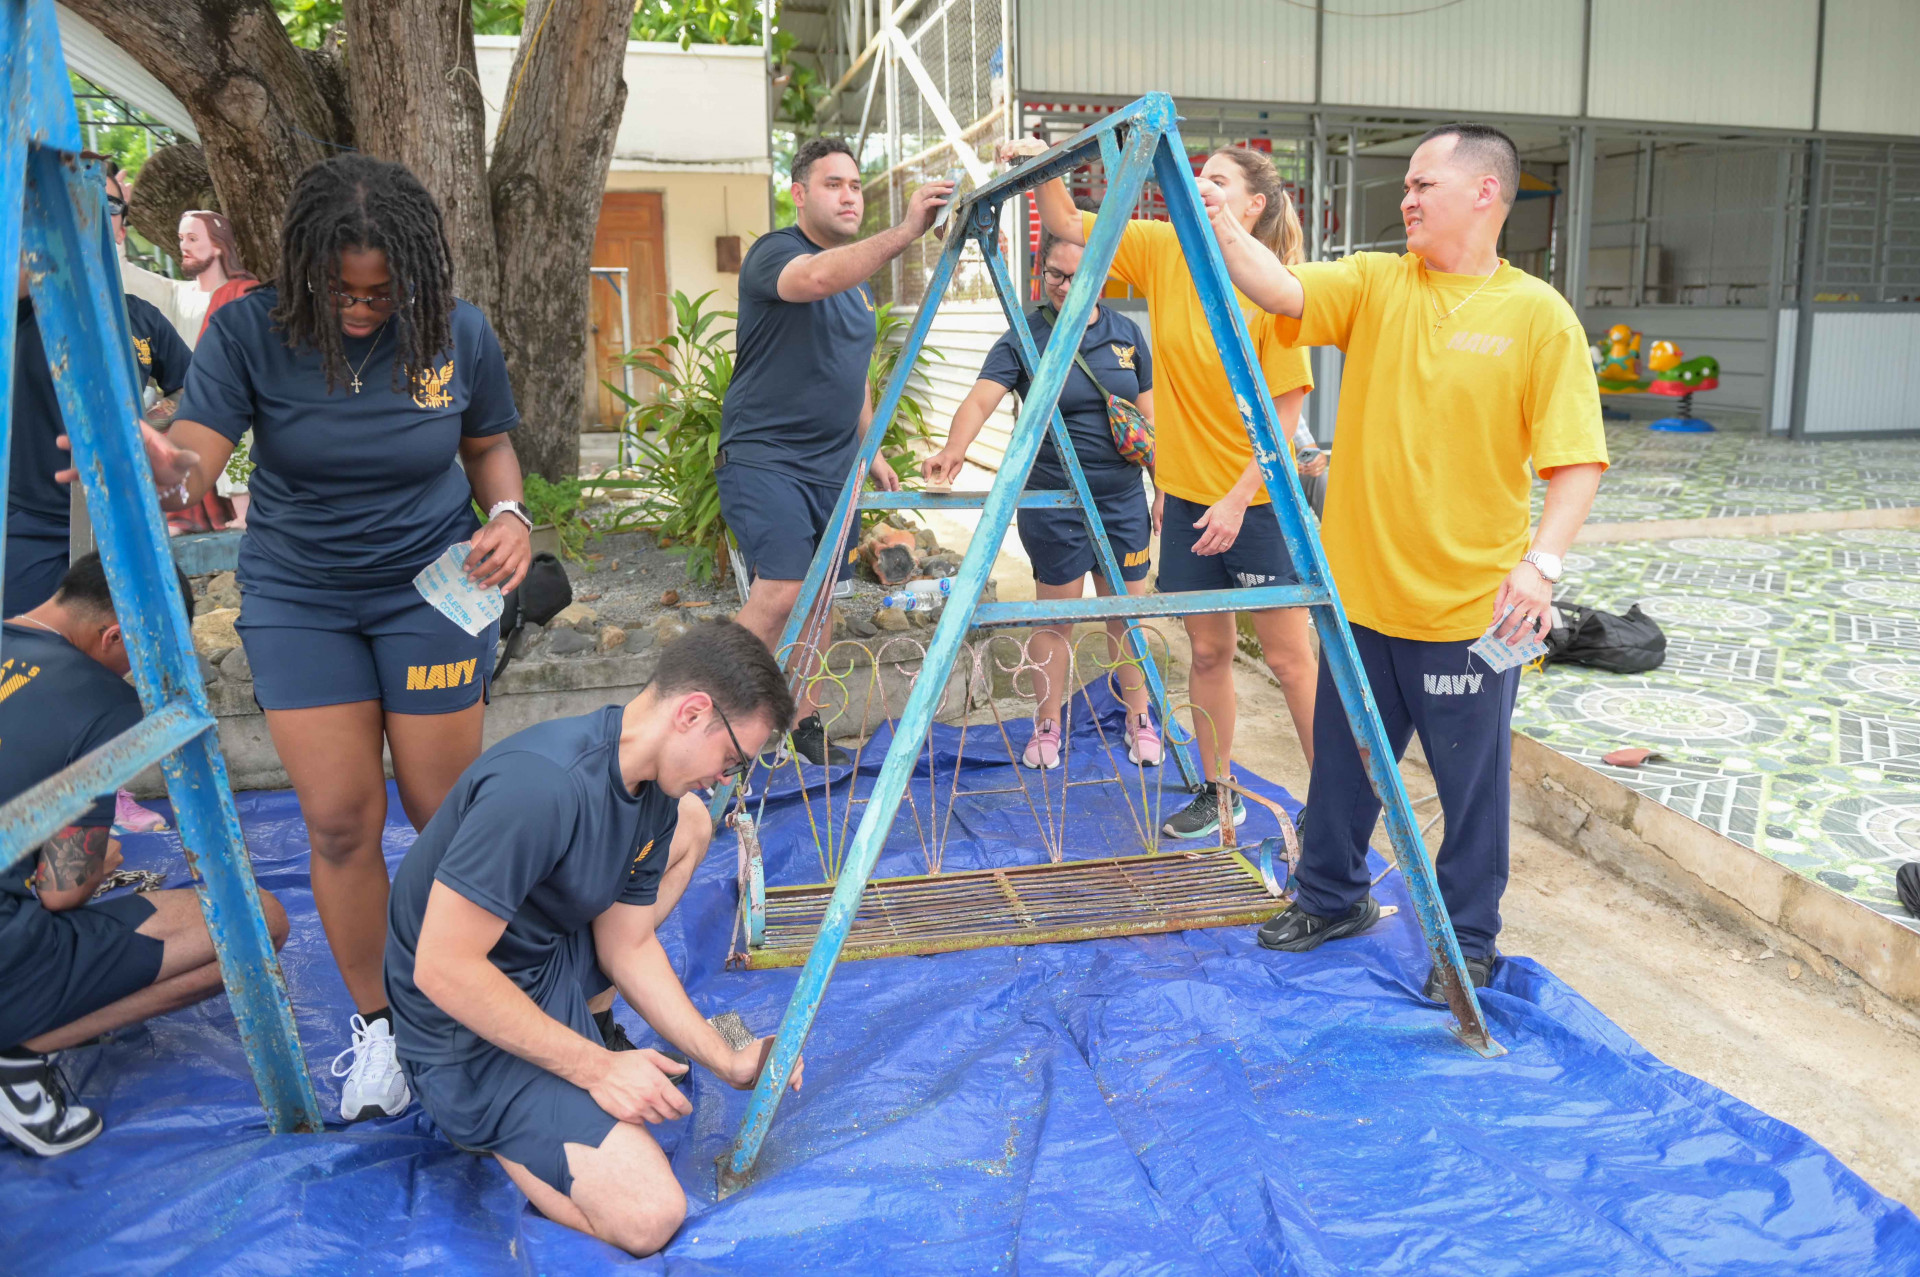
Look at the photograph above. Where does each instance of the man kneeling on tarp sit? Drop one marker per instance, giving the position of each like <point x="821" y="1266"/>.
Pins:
<point x="72" y="968"/>
<point x="543" y="877"/>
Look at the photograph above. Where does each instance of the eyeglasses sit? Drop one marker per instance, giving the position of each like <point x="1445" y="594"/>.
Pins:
<point x="1058" y="278"/>
<point x="376" y="301"/>
<point x="116" y="207"/>
<point x="745" y="764"/>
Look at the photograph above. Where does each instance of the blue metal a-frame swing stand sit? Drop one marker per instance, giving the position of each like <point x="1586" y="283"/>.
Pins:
<point x="1136" y="142"/>
<point x="53" y="219"/>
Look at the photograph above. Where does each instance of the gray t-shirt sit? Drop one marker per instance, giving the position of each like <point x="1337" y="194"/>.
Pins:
<point x="540" y="831"/>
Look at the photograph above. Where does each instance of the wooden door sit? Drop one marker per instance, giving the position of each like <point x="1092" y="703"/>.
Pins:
<point x="631" y="233"/>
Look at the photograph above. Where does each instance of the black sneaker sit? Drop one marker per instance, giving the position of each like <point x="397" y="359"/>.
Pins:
<point x="34" y="1112"/>
<point x="811" y="743"/>
<point x="1202" y="816"/>
<point x="1479" y="970"/>
<point x="1297" y="931"/>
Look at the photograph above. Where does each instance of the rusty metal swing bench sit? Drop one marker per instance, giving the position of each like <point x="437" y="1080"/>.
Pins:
<point x="851" y="915"/>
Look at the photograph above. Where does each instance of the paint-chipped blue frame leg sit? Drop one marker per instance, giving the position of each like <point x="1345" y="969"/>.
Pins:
<point x="56" y="207"/>
<point x="917" y="717"/>
<point x="1229" y="328"/>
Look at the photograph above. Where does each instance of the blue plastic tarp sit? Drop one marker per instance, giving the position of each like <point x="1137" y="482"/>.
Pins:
<point x="1183" y="1103"/>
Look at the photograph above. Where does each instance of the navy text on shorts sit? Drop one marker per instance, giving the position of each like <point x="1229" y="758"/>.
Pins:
<point x="1058" y="541"/>
<point x="1257" y="557"/>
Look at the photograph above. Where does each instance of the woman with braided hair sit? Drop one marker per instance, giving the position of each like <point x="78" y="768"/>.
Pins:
<point x="380" y="413"/>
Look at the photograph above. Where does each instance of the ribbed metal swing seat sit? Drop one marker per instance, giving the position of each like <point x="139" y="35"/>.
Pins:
<point x="1027" y="904"/>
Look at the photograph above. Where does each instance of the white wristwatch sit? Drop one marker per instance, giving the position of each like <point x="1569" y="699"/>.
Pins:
<point x="513" y="508"/>
<point x="1547" y="565"/>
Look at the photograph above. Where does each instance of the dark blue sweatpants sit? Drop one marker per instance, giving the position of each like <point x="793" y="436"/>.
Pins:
<point x="1463" y="713"/>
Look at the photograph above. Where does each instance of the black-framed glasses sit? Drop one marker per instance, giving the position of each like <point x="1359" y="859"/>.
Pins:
<point x="375" y="301"/>
<point x="1058" y="278"/>
<point x="116" y="207"/>
<point x="738" y="769"/>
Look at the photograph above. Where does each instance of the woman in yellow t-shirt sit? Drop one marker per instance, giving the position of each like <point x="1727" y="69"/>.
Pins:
<point x="1217" y="528"/>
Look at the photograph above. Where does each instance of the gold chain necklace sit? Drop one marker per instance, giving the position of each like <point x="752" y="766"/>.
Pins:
<point x="1433" y="294"/>
<point x="369" y="356"/>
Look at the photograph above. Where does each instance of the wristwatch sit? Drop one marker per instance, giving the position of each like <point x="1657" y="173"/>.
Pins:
<point x="1547" y="565"/>
<point x="519" y="512"/>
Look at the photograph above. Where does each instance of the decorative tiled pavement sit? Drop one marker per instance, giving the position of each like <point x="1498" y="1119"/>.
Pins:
<point x="1728" y="475"/>
<point x="1788" y="710"/>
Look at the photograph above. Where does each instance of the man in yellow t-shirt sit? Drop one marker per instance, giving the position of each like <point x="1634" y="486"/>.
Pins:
<point x="1460" y="371"/>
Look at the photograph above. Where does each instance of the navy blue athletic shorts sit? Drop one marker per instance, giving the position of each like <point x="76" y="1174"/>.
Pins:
<point x="34" y="567"/>
<point x="1258" y="556"/>
<point x="500" y="1103"/>
<point x="1058" y="541"/>
<point x="313" y="647"/>
<point x="69" y="964"/>
<point x="778" y="519"/>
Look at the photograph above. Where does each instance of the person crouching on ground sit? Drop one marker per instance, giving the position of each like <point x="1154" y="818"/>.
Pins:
<point x="543" y="880"/>
<point x="74" y="968"/>
<point x="1059" y="542"/>
<point x="1460" y="371"/>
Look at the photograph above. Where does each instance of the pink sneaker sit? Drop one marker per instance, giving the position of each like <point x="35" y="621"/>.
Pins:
<point x="1143" y="741"/>
<point x="1043" y="751"/>
<point x="130" y="817"/>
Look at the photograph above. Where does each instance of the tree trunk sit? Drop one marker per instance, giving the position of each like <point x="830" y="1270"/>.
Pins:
<point x="550" y="161"/>
<point x="261" y="104"/>
<point x="416" y="100"/>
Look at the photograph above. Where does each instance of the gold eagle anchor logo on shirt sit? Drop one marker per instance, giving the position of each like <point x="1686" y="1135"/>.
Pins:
<point x="430" y="387"/>
<point x="144" y="349"/>
<point x="1123" y="353"/>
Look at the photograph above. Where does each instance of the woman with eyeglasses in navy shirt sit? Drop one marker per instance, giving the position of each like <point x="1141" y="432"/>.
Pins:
<point x="380" y="413"/>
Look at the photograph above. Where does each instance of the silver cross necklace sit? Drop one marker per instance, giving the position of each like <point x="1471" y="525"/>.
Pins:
<point x="381" y="332"/>
<point x="1433" y="294"/>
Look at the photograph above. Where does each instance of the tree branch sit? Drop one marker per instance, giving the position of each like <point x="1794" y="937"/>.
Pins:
<point x="262" y="112"/>
<point x="416" y="100"/>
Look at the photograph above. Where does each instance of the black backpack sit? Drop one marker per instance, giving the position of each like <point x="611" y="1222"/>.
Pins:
<point x="541" y="595"/>
<point x="1630" y="644"/>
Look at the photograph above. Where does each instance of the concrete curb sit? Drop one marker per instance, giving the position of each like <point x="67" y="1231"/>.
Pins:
<point x="1696" y="868"/>
<point x="1749" y="525"/>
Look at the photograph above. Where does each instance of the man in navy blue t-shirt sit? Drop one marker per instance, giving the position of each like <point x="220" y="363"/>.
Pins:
<point x="542" y="880"/>
<point x="799" y="401"/>
<point x="39" y="509"/>
<point x="74" y="968"/>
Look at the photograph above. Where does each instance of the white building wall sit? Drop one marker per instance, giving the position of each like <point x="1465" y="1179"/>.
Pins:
<point x="1864" y="373"/>
<point x="1519" y="57"/>
<point x="704" y="107"/>
<point x="1868" y="84"/>
<point x="1737" y="62"/>
<point x="1234" y="50"/>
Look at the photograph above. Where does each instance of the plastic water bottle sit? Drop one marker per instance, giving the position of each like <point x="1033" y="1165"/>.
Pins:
<point x="931" y="587"/>
<point x="908" y="601"/>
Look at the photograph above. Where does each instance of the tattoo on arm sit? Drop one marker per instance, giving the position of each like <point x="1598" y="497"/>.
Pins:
<point x="72" y="856"/>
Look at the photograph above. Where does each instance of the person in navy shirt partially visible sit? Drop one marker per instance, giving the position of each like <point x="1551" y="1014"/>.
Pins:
<point x="799" y="402"/>
<point x="39" y="509"/>
<point x="1059" y="542"/>
<point x="73" y="967"/>
<point x="380" y="413"/>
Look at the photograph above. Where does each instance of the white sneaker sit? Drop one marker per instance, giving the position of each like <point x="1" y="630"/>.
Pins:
<point x="375" y="1086"/>
<point x="34" y="1112"/>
